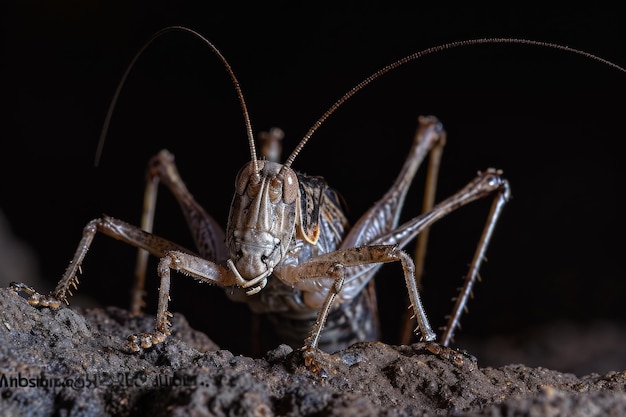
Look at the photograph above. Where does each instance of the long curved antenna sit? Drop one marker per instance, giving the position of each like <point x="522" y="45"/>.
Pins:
<point x="428" y="51"/>
<point x="242" y="101"/>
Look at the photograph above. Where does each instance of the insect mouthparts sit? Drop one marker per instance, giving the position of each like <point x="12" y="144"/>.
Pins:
<point x="257" y="288"/>
<point x="244" y="283"/>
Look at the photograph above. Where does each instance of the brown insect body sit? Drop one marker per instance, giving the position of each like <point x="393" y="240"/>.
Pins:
<point x="279" y="219"/>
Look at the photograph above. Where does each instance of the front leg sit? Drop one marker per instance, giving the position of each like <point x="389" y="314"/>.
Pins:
<point x="172" y="256"/>
<point x="187" y="264"/>
<point x="333" y="266"/>
<point x="109" y="226"/>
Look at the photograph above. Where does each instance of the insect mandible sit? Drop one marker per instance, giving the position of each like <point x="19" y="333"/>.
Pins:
<point x="288" y="250"/>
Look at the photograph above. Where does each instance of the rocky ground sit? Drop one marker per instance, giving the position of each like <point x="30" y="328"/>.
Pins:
<point x="70" y="362"/>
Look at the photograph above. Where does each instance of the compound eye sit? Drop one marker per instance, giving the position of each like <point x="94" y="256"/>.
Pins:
<point x="247" y="179"/>
<point x="275" y="190"/>
<point x="290" y="185"/>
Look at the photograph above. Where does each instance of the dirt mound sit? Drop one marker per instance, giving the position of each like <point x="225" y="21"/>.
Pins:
<point x="71" y="362"/>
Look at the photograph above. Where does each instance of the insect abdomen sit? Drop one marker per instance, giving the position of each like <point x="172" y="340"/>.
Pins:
<point x="349" y="323"/>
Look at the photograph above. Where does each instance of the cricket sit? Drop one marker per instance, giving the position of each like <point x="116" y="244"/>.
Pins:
<point x="288" y="250"/>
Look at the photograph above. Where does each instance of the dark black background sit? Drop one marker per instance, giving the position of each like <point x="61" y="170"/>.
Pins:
<point x="553" y="121"/>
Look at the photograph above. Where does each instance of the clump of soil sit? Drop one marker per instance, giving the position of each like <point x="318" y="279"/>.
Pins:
<point x="71" y="362"/>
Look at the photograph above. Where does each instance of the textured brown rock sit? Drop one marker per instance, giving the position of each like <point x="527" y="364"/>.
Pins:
<point x="70" y="361"/>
